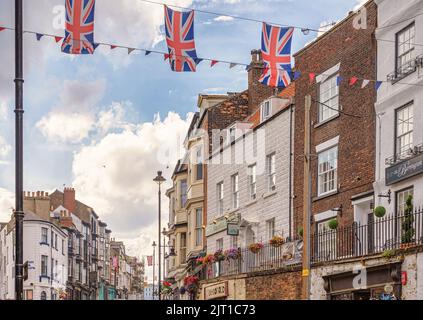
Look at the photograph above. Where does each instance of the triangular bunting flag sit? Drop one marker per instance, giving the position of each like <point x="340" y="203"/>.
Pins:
<point x="166" y="56"/>
<point x="95" y="45"/>
<point x="58" y="39"/>
<point x="39" y="36"/>
<point x="377" y="85"/>
<point x="248" y="67"/>
<point x="232" y="65"/>
<point x="147" y="53"/>
<point x="353" y="80"/>
<point x="213" y="63"/>
<point x="365" y="83"/>
<point x="198" y="61"/>
<point x="297" y="75"/>
<point x="130" y="50"/>
<point x="312" y="76"/>
<point x="113" y="47"/>
<point x="339" y="80"/>
<point x="2" y="28"/>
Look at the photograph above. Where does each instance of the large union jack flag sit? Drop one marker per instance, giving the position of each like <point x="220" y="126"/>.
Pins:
<point x="180" y="40"/>
<point x="79" y="33"/>
<point x="276" y="51"/>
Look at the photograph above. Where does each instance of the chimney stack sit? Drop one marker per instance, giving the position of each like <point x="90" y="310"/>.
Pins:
<point x="257" y="92"/>
<point x="69" y="199"/>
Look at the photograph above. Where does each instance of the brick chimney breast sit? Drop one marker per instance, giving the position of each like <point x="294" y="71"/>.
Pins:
<point x="69" y="199"/>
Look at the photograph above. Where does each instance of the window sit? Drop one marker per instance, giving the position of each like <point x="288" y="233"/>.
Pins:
<point x="404" y="131"/>
<point x="252" y="181"/>
<point x="329" y="99"/>
<point x="219" y="244"/>
<point x="234" y="242"/>
<point x="52" y="239"/>
<point x="266" y="110"/>
<point x="326" y="241"/>
<point x="328" y="168"/>
<point x="44" y="232"/>
<point x="63" y="246"/>
<point x="199" y="164"/>
<point x="271" y="171"/>
<point x="43" y="295"/>
<point x="235" y="191"/>
<point x="402" y="197"/>
<point x="405" y="49"/>
<point x="270" y="227"/>
<point x="220" y="198"/>
<point x="52" y="269"/>
<point x="198" y="227"/>
<point x="183" y="248"/>
<point x="55" y="241"/>
<point x="44" y="266"/>
<point x="183" y="193"/>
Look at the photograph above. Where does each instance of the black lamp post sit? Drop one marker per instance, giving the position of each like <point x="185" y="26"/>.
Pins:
<point x="154" y="264"/>
<point x="159" y="180"/>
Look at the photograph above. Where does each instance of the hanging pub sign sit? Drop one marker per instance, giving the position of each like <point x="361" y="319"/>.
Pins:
<point x="404" y="170"/>
<point x="232" y="229"/>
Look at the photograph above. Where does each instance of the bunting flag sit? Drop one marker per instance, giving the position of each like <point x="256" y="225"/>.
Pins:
<point x="213" y="63"/>
<point x="147" y="52"/>
<point x="312" y="76"/>
<point x="297" y="75"/>
<point x="1" y="29"/>
<point x="353" y="81"/>
<point x="232" y="65"/>
<point x="339" y="80"/>
<point x="377" y="85"/>
<point x="79" y="33"/>
<point x="365" y="83"/>
<point x="58" y="39"/>
<point x="39" y="36"/>
<point x="130" y="50"/>
<point x="276" y="51"/>
<point x="112" y="47"/>
<point x="179" y="28"/>
<point x="198" y="61"/>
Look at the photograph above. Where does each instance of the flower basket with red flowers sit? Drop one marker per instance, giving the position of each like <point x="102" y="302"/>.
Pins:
<point x="209" y="259"/>
<point x="219" y="256"/>
<point x="191" y="284"/>
<point x="255" y="247"/>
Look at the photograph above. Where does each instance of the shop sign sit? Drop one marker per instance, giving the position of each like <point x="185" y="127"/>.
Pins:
<point x="232" y="229"/>
<point x="216" y="291"/>
<point x="404" y="170"/>
<point x="217" y="227"/>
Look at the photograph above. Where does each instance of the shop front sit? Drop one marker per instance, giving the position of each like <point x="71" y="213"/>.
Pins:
<point x="381" y="282"/>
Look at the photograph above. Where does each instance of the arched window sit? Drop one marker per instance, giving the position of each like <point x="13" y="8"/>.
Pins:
<point x="43" y="295"/>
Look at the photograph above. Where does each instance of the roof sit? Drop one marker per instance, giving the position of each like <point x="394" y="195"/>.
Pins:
<point x="82" y="211"/>
<point x="288" y="92"/>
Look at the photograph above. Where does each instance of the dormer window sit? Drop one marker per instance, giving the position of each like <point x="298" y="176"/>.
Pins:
<point x="266" y="110"/>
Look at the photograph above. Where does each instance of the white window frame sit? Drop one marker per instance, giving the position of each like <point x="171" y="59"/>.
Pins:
<point x="235" y="190"/>
<point x="252" y="181"/>
<point x="401" y="198"/>
<point x="266" y="110"/>
<point x="405" y="47"/>
<point x="325" y="173"/>
<point x="328" y="98"/>
<point x="404" y="129"/>
<point x="220" y="198"/>
<point x="183" y="195"/>
<point x="270" y="228"/>
<point x="198" y="227"/>
<point x="271" y="172"/>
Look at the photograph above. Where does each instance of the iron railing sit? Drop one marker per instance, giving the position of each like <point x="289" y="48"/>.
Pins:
<point x="268" y="258"/>
<point x="406" y="69"/>
<point x="408" y="154"/>
<point x="381" y="235"/>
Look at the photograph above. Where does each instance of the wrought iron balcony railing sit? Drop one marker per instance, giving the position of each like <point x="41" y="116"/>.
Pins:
<point x="410" y="153"/>
<point x="406" y="69"/>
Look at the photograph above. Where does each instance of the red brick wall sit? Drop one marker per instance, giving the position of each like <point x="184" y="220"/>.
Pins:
<point x="356" y="50"/>
<point x="276" y="286"/>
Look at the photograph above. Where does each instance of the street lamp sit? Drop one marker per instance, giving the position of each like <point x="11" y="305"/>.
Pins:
<point x="159" y="180"/>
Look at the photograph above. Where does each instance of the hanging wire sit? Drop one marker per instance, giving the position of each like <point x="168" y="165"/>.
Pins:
<point x="337" y="110"/>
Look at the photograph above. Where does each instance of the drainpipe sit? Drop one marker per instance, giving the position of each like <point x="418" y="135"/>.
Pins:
<point x="291" y="110"/>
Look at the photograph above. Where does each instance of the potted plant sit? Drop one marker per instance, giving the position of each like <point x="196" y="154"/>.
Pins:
<point x="255" y="247"/>
<point x="233" y="254"/>
<point x="191" y="284"/>
<point x="199" y="261"/>
<point x="276" y="241"/>
<point x="333" y="224"/>
<point x="408" y="232"/>
<point x="380" y="211"/>
<point x="219" y="255"/>
<point x="301" y="232"/>
<point x="209" y="259"/>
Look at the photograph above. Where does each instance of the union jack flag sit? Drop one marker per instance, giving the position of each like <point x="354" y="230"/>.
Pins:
<point x="276" y="51"/>
<point x="79" y="33"/>
<point x="180" y="40"/>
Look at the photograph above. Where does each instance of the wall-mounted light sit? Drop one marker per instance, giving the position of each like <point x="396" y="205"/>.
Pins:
<point x="339" y="209"/>
<point x="387" y="195"/>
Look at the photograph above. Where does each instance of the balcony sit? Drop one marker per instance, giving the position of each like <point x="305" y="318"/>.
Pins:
<point x="405" y="70"/>
<point x="356" y="241"/>
<point x="406" y="155"/>
<point x="268" y="258"/>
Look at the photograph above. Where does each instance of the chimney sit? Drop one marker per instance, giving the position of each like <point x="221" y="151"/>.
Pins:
<point x="69" y="199"/>
<point x="257" y="92"/>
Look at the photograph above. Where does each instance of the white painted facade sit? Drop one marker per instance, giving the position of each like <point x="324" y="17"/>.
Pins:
<point x="252" y="215"/>
<point x="393" y="18"/>
<point x="41" y="284"/>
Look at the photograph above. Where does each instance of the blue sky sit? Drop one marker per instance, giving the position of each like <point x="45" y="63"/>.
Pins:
<point x="89" y="120"/>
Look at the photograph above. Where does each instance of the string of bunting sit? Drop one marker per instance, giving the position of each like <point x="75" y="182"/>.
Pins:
<point x="182" y="56"/>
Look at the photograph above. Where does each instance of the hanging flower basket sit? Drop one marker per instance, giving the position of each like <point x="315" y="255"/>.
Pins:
<point x="209" y="259"/>
<point x="276" y="241"/>
<point x="255" y="247"/>
<point x="380" y="212"/>
<point x="233" y="254"/>
<point x="333" y="224"/>
<point x="191" y="284"/>
<point x="219" y="256"/>
<point x="199" y="261"/>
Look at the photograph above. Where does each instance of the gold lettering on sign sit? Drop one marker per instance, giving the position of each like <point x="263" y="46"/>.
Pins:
<point x="215" y="291"/>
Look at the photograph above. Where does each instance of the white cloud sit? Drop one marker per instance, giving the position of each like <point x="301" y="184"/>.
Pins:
<point x="223" y="19"/>
<point x="115" y="176"/>
<point x="7" y="202"/>
<point x="5" y="148"/>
